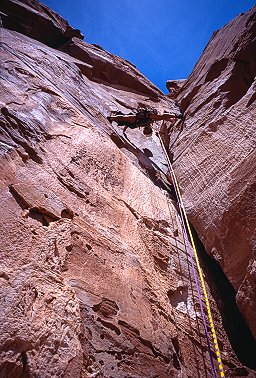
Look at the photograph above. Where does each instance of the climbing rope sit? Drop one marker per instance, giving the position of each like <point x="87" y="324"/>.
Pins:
<point x="188" y="248"/>
<point x="186" y="226"/>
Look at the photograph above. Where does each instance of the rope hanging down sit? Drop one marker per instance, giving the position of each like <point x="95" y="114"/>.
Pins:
<point x="186" y="222"/>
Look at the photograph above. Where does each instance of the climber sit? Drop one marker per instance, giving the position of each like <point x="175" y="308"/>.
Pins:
<point x="143" y="117"/>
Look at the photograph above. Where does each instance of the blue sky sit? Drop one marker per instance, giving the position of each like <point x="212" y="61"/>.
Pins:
<point x="163" y="38"/>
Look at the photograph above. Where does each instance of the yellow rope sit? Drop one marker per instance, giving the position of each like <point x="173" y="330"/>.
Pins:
<point x="215" y="341"/>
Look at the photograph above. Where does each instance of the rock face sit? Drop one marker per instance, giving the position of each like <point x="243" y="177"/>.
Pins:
<point x="174" y="86"/>
<point x="110" y="69"/>
<point x="215" y="154"/>
<point x="95" y="276"/>
<point x="37" y="21"/>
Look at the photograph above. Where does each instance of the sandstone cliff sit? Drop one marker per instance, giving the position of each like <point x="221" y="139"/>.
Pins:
<point x="215" y="154"/>
<point x="95" y="276"/>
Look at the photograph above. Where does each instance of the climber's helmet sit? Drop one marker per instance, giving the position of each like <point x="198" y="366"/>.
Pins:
<point x="147" y="131"/>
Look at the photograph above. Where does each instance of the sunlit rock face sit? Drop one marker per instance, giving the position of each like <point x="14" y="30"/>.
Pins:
<point x="95" y="277"/>
<point x="215" y="154"/>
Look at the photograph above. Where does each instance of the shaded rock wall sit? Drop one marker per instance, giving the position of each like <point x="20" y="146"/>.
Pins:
<point x="37" y="21"/>
<point x="110" y="69"/>
<point x="215" y="154"/>
<point x="95" y="277"/>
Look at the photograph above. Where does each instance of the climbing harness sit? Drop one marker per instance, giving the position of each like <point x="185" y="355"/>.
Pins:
<point x="186" y="226"/>
<point x="142" y="115"/>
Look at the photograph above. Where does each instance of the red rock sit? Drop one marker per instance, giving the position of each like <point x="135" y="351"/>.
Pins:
<point x="109" y="68"/>
<point x="174" y="86"/>
<point x="37" y="21"/>
<point x="215" y="154"/>
<point x="95" y="278"/>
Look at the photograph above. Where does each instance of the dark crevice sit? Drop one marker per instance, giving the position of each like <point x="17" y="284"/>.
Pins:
<point x="238" y="332"/>
<point x="71" y="186"/>
<point x="106" y="307"/>
<point x="67" y="213"/>
<point x="177" y="355"/>
<point x="176" y="363"/>
<point x="38" y="216"/>
<point x="129" y="328"/>
<point x="18" y="198"/>
<point x="24" y="360"/>
<point x="19" y="134"/>
<point x="109" y="326"/>
<point x="161" y="263"/>
<point x="132" y="210"/>
<point x="133" y="333"/>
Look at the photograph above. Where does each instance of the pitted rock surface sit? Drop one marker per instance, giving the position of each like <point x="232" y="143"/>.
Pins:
<point x="95" y="277"/>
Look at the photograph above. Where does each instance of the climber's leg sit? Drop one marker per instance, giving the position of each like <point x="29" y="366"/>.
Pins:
<point x="122" y="118"/>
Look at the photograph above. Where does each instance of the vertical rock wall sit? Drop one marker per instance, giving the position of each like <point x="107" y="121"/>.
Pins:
<point x="95" y="278"/>
<point x="215" y="154"/>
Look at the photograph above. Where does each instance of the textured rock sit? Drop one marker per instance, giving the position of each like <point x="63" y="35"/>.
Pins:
<point x="215" y="154"/>
<point x="174" y="86"/>
<point x="95" y="277"/>
<point x="110" y="69"/>
<point x="37" y="21"/>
